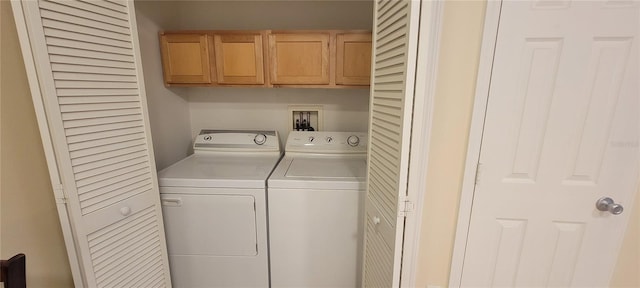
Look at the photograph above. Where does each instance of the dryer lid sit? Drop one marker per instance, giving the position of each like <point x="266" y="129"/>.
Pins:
<point x="219" y="171"/>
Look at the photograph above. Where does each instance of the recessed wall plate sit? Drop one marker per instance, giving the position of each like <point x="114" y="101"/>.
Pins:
<point x="305" y="116"/>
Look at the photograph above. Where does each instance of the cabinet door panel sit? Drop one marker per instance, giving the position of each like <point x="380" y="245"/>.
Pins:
<point x="186" y="58"/>
<point x="239" y="59"/>
<point x="299" y="58"/>
<point x="353" y="59"/>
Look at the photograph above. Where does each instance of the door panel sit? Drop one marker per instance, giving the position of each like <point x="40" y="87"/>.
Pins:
<point x="90" y="79"/>
<point x="561" y="131"/>
<point x="392" y="94"/>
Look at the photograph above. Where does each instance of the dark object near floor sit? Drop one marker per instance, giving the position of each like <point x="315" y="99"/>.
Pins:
<point x="12" y="272"/>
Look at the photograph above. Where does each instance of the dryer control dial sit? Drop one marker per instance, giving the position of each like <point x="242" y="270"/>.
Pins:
<point x="311" y="138"/>
<point x="353" y="140"/>
<point x="329" y="139"/>
<point x="260" y="139"/>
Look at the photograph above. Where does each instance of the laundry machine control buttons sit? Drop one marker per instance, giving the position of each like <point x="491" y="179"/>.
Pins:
<point x="311" y="138"/>
<point x="353" y="140"/>
<point x="329" y="139"/>
<point x="260" y="139"/>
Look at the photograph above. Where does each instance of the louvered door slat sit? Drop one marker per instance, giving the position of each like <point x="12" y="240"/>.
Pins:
<point x="100" y="114"/>
<point x="90" y="166"/>
<point x="92" y="70"/>
<point x="93" y="77"/>
<point x="72" y="11"/>
<point x="100" y="132"/>
<point x="97" y="92"/>
<point x="108" y="5"/>
<point x="69" y="18"/>
<point x="94" y="9"/>
<point x="87" y="54"/>
<point x="97" y="99"/>
<point x="118" y="2"/>
<point x="91" y="62"/>
<point x="109" y="168"/>
<point x="74" y="28"/>
<point x="97" y="179"/>
<point x="395" y="48"/>
<point x="103" y="127"/>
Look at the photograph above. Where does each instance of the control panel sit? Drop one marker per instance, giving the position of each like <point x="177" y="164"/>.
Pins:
<point x="327" y="142"/>
<point x="240" y="140"/>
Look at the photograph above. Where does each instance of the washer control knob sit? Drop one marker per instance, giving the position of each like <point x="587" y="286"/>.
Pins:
<point x="329" y="139"/>
<point x="311" y="139"/>
<point x="353" y="140"/>
<point x="207" y="138"/>
<point x="260" y="139"/>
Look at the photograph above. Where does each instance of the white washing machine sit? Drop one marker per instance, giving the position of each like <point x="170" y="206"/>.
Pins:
<point x="316" y="208"/>
<point x="214" y="209"/>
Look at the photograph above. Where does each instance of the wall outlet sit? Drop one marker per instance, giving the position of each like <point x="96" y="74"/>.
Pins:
<point x="306" y="118"/>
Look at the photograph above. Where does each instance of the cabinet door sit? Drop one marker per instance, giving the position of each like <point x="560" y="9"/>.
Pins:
<point x="299" y="59"/>
<point x="353" y="59"/>
<point x="186" y="58"/>
<point x="239" y="58"/>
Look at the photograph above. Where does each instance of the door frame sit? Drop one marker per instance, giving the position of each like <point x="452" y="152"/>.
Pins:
<point x="428" y="54"/>
<point x="483" y="81"/>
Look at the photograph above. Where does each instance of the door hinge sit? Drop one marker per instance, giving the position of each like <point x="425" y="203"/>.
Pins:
<point x="406" y="206"/>
<point x="478" y="173"/>
<point x="58" y="192"/>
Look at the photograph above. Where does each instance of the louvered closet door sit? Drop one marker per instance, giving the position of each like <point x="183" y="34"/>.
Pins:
<point x="395" y="33"/>
<point x="89" y="72"/>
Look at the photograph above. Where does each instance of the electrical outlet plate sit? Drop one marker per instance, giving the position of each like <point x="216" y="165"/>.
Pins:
<point x="315" y="111"/>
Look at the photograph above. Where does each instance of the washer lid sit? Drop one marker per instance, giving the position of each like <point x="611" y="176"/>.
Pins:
<point x="320" y="172"/>
<point x="219" y="171"/>
<point x="343" y="168"/>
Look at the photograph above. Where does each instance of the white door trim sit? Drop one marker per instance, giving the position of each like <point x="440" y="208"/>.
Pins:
<point x="430" y="27"/>
<point x="483" y="81"/>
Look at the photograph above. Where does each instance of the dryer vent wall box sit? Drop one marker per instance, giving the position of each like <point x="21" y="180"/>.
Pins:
<point x="306" y="118"/>
<point x="215" y="212"/>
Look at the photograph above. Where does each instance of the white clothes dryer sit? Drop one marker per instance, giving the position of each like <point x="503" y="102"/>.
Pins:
<point x="316" y="208"/>
<point x="214" y="209"/>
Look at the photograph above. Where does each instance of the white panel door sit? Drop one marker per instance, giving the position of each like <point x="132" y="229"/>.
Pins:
<point x="90" y="79"/>
<point x="392" y="93"/>
<point x="561" y="131"/>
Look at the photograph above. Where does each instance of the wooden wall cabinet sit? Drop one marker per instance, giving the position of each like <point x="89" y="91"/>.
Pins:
<point x="353" y="59"/>
<point x="239" y="58"/>
<point x="186" y="58"/>
<point x="292" y="58"/>
<point x="299" y="58"/>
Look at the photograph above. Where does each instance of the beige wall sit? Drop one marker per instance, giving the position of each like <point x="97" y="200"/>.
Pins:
<point x="459" y="54"/>
<point x="28" y="216"/>
<point x="168" y="110"/>
<point x="260" y="108"/>
<point x="460" y="48"/>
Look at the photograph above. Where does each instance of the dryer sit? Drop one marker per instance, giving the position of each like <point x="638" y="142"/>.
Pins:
<point x="214" y="209"/>
<point x="316" y="208"/>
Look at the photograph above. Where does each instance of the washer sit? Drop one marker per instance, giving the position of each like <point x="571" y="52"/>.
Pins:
<point x="214" y="209"/>
<point x="316" y="206"/>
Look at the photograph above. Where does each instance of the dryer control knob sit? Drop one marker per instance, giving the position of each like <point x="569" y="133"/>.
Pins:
<point x="353" y="140"/>
<point x="260" y="139"/>
<point x="311" y="139"/>
<point x="329" y="139"/>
